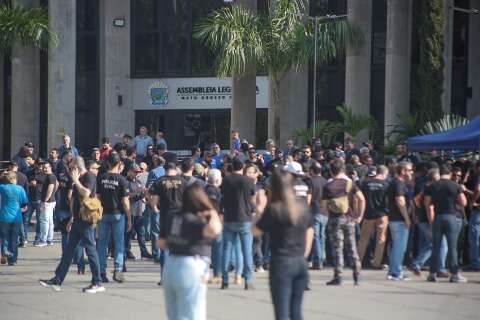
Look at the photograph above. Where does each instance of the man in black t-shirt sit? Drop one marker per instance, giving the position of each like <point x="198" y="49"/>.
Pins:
<point x="112" y="189"/>
<point x="374" y="188"/>
<point x="47" y="205"/>
<point x="35" y="181"/>
<point x="238" y="202"/>
<point x="444" y="200"/>
<point x="399" y="219"/>
<point x="341" y="225"/>
<point x="166" y="199"/>
<point x="84" y="185"/>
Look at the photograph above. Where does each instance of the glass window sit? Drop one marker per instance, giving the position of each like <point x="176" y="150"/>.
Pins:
<point x="163" y="43"/>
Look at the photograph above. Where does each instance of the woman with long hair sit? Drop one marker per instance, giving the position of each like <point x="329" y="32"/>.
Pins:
<point x="289" y="225"/>
<point x="187" y="234"/>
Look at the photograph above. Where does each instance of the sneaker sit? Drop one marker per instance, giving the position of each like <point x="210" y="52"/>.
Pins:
<point x="238" y="280"/>
<point x="224" y="286"/>
<point x="415" y="270"/>
<point x="81" y="271"/>
<point x="335" y="282"/>
<point x="147" y="255"/>
<point x="93" y="288"/>
<point x="119" y="277"/>
<point x="216" y="280"/>
<point x="53" y="283"/>
<point x="3" y="260"/>
<point x="129" y="255"/>
<point x="456" y="278"/>
<point x="104" y="278"/>
<point x="259" y="270"/>
<point x="50" y="243"/>
<point x="356" y="279"/>
<point x="249" y="286"/>
<point x="444" y="275"/>
<point x="398" y="278"/>
<point x="431" y="278"/>
<point x="40" y="244"/>
<point x="11" y="263"/>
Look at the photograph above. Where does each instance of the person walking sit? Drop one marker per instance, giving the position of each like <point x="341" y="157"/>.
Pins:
<point x="238" y="202"/>
<point x="289" y="225"/>
<point x="13" y="201"/>
<point x="214" y="181"/>
<point x="187" y="234"/>
<point x="84" y="186"/>
<point x="443" y="199"/>
<point x="113" y="193"/>
<point x="339" y="195"/>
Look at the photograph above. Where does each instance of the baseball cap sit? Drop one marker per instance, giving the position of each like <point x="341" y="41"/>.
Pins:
<point x="293" y="167"/>
<point x="372" y="171"/>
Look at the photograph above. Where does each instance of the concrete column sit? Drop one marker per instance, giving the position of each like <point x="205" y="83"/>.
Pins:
<point x="358" y="64"/>
<point x="243" y="111"/>
<point x="293" y="103"/>
<point x="397" y="66"/>
<point x="25" y="92"/>
<point x="115" y="71"/>
<point x="447" y="56"/>
<point x="61" y="72"/>
<point x="473" y="103"/>
<point x="2" y="110"/>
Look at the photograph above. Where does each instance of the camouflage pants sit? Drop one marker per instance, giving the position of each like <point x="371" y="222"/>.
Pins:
<point x="341" y="230"/>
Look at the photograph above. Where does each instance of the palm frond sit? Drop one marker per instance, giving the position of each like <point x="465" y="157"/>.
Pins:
<point x="449" y="121"/>
<point x="354" y="123"/>
<point x="27" y="25"/>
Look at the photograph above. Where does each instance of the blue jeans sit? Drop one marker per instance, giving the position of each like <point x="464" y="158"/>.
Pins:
<point x="318" y="249"/>
<point x="230" y="232"/>
<point x="447" y="225"/>
<point x="474" y="239"/>
<point x="217" y="247"/>
<point x="139" y="227"/>
<point x="288" y="279"/>
<point x="114" y="223"/>
<point x="185" y="287"/>
<point x="147" y="216"/>
<point x="425" y="248"/>
<point x="78" y="254"/>
<point x="236" y="258"/>
<point x="80" y="231"/>
<point x="33" y="206"/>
<point x="158" y="255"/>
<point x="399" y="233"/>
<point x="9" y="232"/>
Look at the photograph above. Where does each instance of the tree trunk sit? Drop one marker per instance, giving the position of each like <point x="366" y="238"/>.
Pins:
<point x="274" y="110"/>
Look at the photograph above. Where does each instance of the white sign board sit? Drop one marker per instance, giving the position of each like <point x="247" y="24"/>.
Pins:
<point x="190" y="93"/>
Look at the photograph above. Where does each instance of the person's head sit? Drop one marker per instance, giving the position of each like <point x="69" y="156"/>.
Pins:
<point x="445" y="170"/>
<point x="113" y="161"/>
<point x="161" y="148"/>
<point x="47" y="167"/>
<point x="187" y="166"/>
<point x="159" y="135"/>
<point x="251" y="171"/>
<point x="215" y="149"/>
<point x="252" y="153"/>
<point x="349" y="144"/>
<point x="382" y="172"/>
<point x="214" y="177"/>
<point x="24" y="152"/>
<point x="150" y="150"/>
<point x="142" y="130"/>
<point x="12" y="166"/>
<point x="66" y="140"/>
<point x="79" y="164"/>
<point x="195" y="151"/>
<point x="401" y="149"/>
<point x="143" y="166"/>
<point x="237" y="164"/>
<point x="195" y="199"/>
<point x="54" y="154"/>
<point x="307" y="151"/>
<point x="95" y="154"/>
<point x="269" y="145"/>
<point x="391" y="163"/>
<point x="337" y="146"/>
<point x="316" y="169"/>
<point x="456" y="174"/>
<point x="234" y="134"/>
<point x="200" y="171"/>
<point x="296" y="154"/>
<point x="282" y="196"/>
<point x="92" y="166"/>
<point x="289" y="144"/>
<point x="126" y="139"/>
<point x="170" y="169"/>
<point x="105" y="142"/>
<point x="131" y="153"/>
<point x="355" y="159"/>
<point x="337" y="167"/>
<point x="10" y="177"/>
<point x="433" y="174"/>
<point x="404" y="170"/>
<point x="134" y="171"/>
<point x="368" y="160"/>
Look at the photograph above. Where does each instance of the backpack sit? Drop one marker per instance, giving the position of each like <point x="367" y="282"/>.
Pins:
<point x="340" y="205"/>
<point x="91" y="210"/>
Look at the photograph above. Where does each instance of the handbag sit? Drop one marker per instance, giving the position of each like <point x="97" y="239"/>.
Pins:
<point x="91" y="210"/>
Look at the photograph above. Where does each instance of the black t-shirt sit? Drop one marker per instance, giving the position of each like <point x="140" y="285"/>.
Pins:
<point x="89" y="181"/>
<point x="444" y="194"/>
<point x="286" y="239"/>
<point x="169" y="190"/>
<point x="49" y="179"/>
<point x="335" y="188"/>
<point x="112" y="187"/>
<point x="65" y="184"/>
<point x="420" y="211"/>
<point x="317" y="183"/>
<point x="35" y="192"/>
<point x="215" y="196"/>
<point x="184" y="234"/>
<point x="375" y="192"/>
<point x="237" y="191"/>
<point x="396" y="188"/>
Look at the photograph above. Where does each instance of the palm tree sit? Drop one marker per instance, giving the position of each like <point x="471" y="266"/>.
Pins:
<point x="354" y="123"/>
<point x="28" y="26"/>
<point x="277" y="41"/>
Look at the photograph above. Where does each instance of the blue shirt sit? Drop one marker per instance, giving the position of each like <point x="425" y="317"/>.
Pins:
<point x="141" y="144"/>
<point x="62" y="150"/>
<point x="12" y="199"/>
<point x="154" y="175"/>
<point x="217" y="162"/>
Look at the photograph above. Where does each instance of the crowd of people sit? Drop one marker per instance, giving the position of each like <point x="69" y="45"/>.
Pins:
<point x="242" y="211"/>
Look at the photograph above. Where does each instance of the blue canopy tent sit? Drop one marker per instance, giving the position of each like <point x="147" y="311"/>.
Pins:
<point x="466" y="137"/>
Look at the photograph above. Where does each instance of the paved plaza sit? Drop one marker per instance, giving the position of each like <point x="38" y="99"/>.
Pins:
<point x="21" y="297"/>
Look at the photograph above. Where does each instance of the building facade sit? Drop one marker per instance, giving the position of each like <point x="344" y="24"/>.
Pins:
<point x="125" y="63"/>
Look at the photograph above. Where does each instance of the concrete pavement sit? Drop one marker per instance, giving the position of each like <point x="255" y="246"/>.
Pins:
<point x="21" y="297"/>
